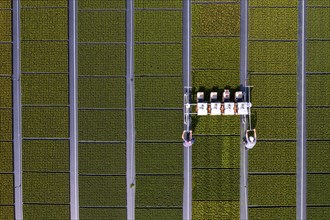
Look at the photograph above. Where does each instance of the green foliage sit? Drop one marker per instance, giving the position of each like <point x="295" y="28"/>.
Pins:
<point x="45" y="155"/>
<point x="44" y="24"/>
<point x="5" y="4"/>
<point x="6" y="189"/>
<point x="273" y="57"/>
<point x="165" y="92"/>
<point x="6" y="92"/>
<point x="219" y="53"/>
<point x="101" y="4"/>
<point x="318" y="156"/>
<point x="273" y="3"/>
<point x="158" y="59"/>
<point x="159" y="190"/>
<point x="216" y="152"/>
<point x="223" y="1"/>
<point x="158" y="213"/>
<point x="102" y="213"/>
<point x="102" y="190"/>
<point x="319" y="213"/>
<point x="273" y="90"/>
<point x="5" y="124"/>
<point x="6" y="157"/>
<point x="102" y="92"/>
<point x="161" y="158"/>
<point x="318" y="190"/>
<point x="46" y="187"/>
<point x="273" y="23"/>
<point x="158" y="4"/>
<point x="7" y="212"/>
<point x="288" y="213"/>
<point x="101" y="59"/>
<point x="228" y="125"/>
<point x="158" y="26"/>
<point x="275" y="123"/>
<point x="41" y="3"/>
<point x="318" y="120"/>
<point x="317" y="56"/>
<point x="45" y="122"/>
<point x="318" y="3"/>
<point x="215" y="184"/>
<point x="101" y="26"/>
<point x="216" y="19"/>
<point x="6" y="59"/>
<point x="210" y="210"/>
<point x="275" y="190"/>
<point x="5" y="24"/>
<point x="45" y="89"/>
<point x="46" y="212"/>
<point x="159" y="125"/>
<point x="102" y="158"/>
<point x="317" y="88"/>
<point x="102" y="125"/>
<point x="273" y="157"/>
<point x="318" y="22"/>
<point x="44" y="56"/>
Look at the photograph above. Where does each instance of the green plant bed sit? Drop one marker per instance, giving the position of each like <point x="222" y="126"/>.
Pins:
<point x="318" y="3"/>
<point x="216" y="152"/>
<point x="41" y="3"/>
<point x="163" y="59"/>
<point x="317" y="86"/>
<point x="215" y="53"/>
<point x="6" y="125"/>
<point x="319" y="213"/>
<point x="318" y="156"/>
<point x="102" y="213"/>
<point x="46" y="187"/>
<point x="158" y="213"/>
<point x="45" y="122"/>
<point x="274" y="123"/>
<point x="102" y="125"/>
<point x="273" y="23"/>
<point x="5" y="25"/>
<point x="216" y="19"/>
<point x="288" y="213"/>
<point x="47" y="212"/>
<point x="215" y="1"/>
<point x="273" y="157"/>
<point x="7" y="212"/>
<point x="6" y="59"/>
<point x="273" y="57"/>
<point x="158" y="125"/>
<point x="98" y="158"/>
<point x="159" y="190"/>
<point x="6" y="157"/>
<point x="273" y="3"/>
<point x="158" y="4"/>
<point x="102" y="190"/>
<point x="44" y="24"/>
<point x="215" y="184"/>
<point x="44" y="56"/>
<point x="162" y="92"/>
<point x="44" y="155"/>
<point x="215" y="210"/>
<point x="273" y="90"/>
<point x="101" y="4"/>
<point x="228" y="125"/>
<point x="318" y="20"/>
<point x="45" y="89"/>
<point x="102" y="92"/>
<point x="318" y="190"/>
<point x="6" y="92"/>
<point x="101" y="26"/>
<point x="317" y="56"/>
<point x="159" y="158"/>
<point x="6" y="189"/>
<point x="158" y="26"/>
<point x="318" y="120"/>
<point x="5" y="4"/>
<point x="274" y="190"/>
<point x="102" y="59"/>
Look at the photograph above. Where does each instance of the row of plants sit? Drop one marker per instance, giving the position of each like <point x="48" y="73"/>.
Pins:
<point x="316" y="87"/>
<point x="6" y="59"/>
<point x="46" y="211"/>
<point x="318" y="156"/>
<point x="5" y="24"/>
<point x="101" y="4"/>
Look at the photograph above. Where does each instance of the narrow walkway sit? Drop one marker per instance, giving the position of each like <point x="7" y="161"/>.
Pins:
<point x="17" y="111"/>
<point x="186" y="53"/>
<point x="73" y="91"/>
<point x="130" y="114"/>
<point x="244" y="83"/>
<point x="301" y="114"/>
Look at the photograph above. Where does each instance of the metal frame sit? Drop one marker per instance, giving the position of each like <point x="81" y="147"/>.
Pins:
<point x="17" y="111"/>
<point x="186" y="63"/>
<point x="130" y="111"/>
<point x="301" y="114"/>
<point x="244" y="83"/>
<point x="73" y="93"/>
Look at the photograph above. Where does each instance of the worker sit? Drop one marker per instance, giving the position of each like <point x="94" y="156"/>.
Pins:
<point x="250" y="140"/>
<point x="187" y="138"/>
